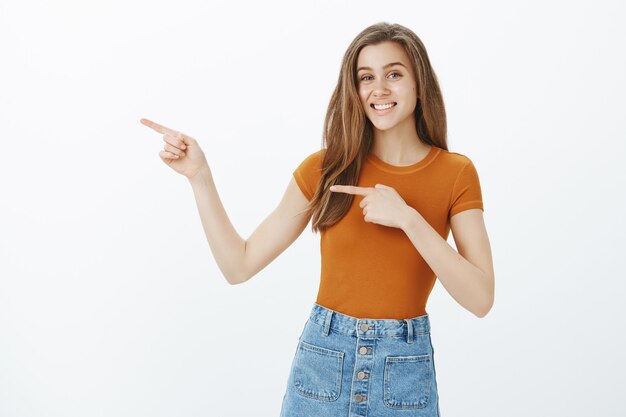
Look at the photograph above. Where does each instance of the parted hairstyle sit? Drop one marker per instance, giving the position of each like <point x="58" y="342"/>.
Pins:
<point x="348" y="133"/>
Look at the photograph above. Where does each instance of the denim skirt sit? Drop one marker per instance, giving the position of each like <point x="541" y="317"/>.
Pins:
<point x="359" y="367"/>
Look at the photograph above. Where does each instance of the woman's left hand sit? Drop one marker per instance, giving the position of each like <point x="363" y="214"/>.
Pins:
<point x="381" y="204"/>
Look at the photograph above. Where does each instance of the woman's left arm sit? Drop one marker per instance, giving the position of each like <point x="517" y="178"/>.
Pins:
<point x="467" y="274"/>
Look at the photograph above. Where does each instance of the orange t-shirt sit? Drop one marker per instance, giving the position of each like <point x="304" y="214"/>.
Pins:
<point x="373" y="271"/>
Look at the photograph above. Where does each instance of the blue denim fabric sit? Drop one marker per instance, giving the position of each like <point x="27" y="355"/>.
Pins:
<point x="358" y="367"/>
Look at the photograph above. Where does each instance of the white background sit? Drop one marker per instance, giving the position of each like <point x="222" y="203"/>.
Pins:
<point x="111" y="303"/>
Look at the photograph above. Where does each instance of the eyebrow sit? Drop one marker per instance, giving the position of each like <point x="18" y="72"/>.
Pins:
<point x="391" y="64"/>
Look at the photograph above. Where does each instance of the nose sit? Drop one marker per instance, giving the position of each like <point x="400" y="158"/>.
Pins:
<point x="380" y="88"/>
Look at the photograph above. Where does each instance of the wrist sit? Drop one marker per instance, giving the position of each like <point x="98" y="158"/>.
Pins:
<point x="411" y="216"/>
<point x="200" y="176"/>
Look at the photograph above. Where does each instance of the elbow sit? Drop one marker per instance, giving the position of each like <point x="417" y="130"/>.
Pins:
<point x="233" y="277"/>
<point x="487" y="304"/>
<point x="239" y="273"/>
<point x="236" y="279"/>
<point x="232" y="281"/>
<point x="482" y="311"/>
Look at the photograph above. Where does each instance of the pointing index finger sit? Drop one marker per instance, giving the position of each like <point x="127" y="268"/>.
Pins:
<point x="158" y="127"/>
<point x="351" y="189"/>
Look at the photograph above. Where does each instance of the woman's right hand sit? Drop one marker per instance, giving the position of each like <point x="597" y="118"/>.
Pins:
<point x="180" y="152"/>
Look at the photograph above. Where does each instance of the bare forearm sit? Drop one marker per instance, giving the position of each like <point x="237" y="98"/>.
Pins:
<point x="227" y="246"/>
<point x="466" y="283"/>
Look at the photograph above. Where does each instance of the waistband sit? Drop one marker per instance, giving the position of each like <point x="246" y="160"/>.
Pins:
<point x="367" y="328"/>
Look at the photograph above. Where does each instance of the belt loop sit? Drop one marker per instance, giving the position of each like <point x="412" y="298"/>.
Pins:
<point x="409" y="330"/>
<point x="329" y="315"/>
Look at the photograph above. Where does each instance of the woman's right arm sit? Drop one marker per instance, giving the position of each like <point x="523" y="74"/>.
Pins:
<point x="239" y="259"/>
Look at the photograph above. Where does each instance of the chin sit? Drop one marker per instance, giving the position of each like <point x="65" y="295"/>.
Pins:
<point x="384" y="126"/>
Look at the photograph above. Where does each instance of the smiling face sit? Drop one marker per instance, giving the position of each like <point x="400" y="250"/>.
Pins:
<point x="380" y="82"/>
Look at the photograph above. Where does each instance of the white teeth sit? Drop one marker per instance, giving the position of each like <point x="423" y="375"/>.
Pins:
<point x="383" y="106"/>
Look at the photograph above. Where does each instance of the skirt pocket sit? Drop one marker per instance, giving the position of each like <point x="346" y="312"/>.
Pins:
<point x="318" y="372"/>
<point x="407" y="381"/>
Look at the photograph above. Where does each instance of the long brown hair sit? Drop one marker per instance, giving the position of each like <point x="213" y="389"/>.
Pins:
<point x="348" y="133"/>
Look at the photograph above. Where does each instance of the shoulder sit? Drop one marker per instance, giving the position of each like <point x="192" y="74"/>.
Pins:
<point x="454" y="160"/>
<point x="313" y="160"/>
<point x="457" y="168"/>
<point x="317" y="155"/>
<point x="308" y="173"/>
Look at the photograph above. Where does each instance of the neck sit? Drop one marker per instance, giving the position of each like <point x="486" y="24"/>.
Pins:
<point x="400" y="145"/>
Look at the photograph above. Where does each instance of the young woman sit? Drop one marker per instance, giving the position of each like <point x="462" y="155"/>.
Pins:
<point x="384" y="193"/>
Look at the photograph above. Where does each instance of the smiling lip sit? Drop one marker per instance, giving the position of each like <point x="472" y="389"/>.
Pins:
<point x="384" y="111"/>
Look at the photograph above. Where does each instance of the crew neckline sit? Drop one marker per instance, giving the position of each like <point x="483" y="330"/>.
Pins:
<point x="404" y="169"/>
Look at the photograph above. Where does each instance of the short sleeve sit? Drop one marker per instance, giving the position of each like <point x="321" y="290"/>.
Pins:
<point x="466" y="192"/>
<point x="308" y="174"/>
